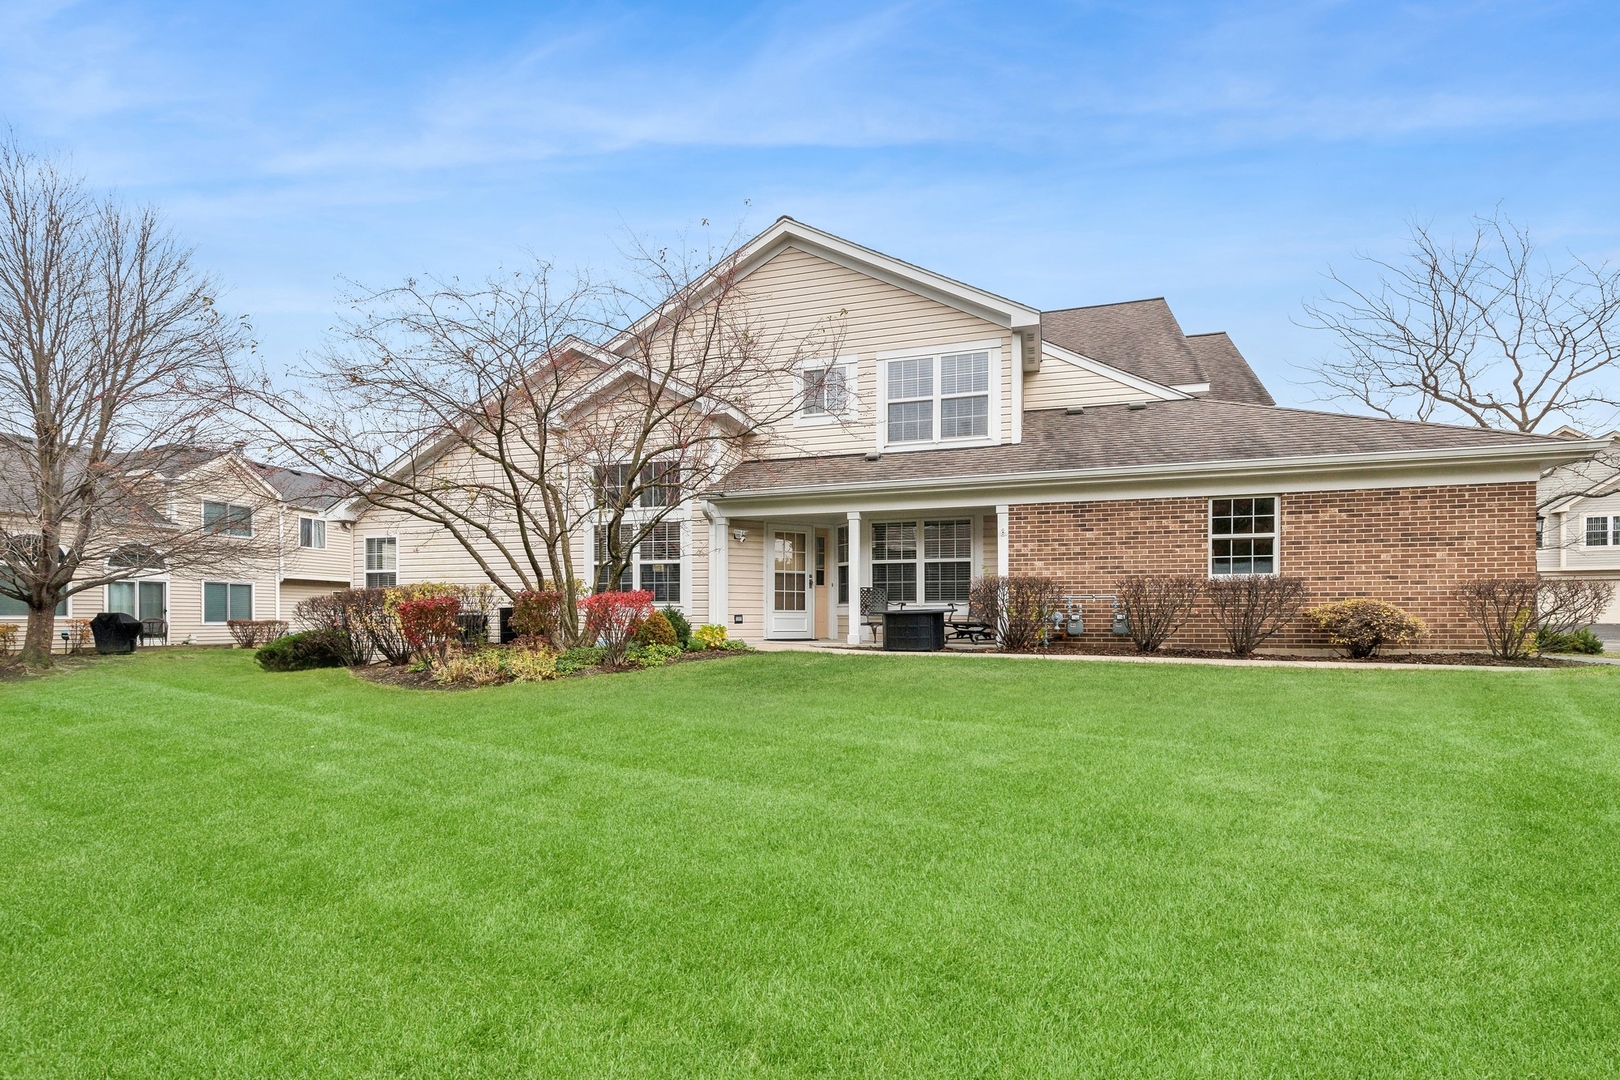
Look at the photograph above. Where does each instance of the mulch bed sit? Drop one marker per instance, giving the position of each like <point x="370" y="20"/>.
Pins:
<point x="405" y="676"/>
<point x="1448" y="659"/>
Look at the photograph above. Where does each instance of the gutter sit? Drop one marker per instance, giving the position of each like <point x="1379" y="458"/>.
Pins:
<point x="1561" y="452"/>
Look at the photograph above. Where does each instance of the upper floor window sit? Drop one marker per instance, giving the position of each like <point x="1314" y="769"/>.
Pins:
<point x="382" y="562"/>
<point x="658" y="484"/>
<point x="824" y="389"/>
<point x="311" y="533"/>
<point x="936" y="398"/>
<point x="1243" y="536"/>
<point x="227" y="519"/>
<point x="1598" y="534"/>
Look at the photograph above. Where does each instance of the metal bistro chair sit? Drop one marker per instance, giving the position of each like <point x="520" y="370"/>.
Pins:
<point x="874" y="602"/>
<point x="969" y="627"/>
<point x="154" y="630"/>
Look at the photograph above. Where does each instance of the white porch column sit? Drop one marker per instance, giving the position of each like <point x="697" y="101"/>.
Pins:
<point x="857" y="577"/>
<point x="1003" y="556"/>
<point x="720" y="570"/>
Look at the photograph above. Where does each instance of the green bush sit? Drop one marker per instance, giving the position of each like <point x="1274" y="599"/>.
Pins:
<point x="653" y="655"/>
<point x="655" y="629"/>
<point x="710" y="636"/>
<point x="1581" y="641"/>
<point x="301" y="652"/>
<point x="683" y="629"/>
<point x="579" y="658"/>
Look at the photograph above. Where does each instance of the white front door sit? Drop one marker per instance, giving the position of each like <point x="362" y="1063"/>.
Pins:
<point x="791" y="598"/>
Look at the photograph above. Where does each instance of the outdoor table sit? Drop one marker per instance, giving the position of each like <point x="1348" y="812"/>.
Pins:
<point x="914" y="629"/>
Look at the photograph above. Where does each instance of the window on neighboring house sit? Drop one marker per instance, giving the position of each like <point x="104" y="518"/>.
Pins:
<point x="660" y="562"/>
<point x="382" y="562"/>
<point x="1243" y="536"/>
<point x="311" y="533"/>
<point x="825" y="390"/>
<point x="227" y="601"/>
<point x="1541" y="527"/>
<point x="842" y="557"/>
<point x="894" y="559"/>
<point x="959" y="398"/>
<point x="12" y="608"/>
<point x="227" y="519"/>
<point x="1597" y="531"/>
<point x="947" y="561"/>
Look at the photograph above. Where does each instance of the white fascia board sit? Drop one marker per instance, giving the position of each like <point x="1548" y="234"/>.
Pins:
<point x="785" y="232"/>
<point x="1510" y="462"/>
<point x="1157" y="391"/>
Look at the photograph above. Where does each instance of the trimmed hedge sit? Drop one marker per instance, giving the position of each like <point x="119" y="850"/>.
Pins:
<point x="301" y="652"/>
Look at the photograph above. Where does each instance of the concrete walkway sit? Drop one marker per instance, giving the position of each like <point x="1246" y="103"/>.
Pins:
<point x="1132" y="658"/>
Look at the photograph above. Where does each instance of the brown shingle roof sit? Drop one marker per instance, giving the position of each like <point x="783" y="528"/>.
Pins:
<point x="1165" y="433"/>
<point x="1139" y="336"/>
<point x="1229" y="375"/>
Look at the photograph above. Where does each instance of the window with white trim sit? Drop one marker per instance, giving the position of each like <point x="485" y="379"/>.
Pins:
<point x="824" y="389"/>
<point x="841" y="557"/>
<point x="659" y="568"/>
<point x="894" y="559"/>
<point x="227" y="601"/>
<point x="1243" y="536"/>
<point x="311" y="533"/>
<point x="227" y="519"/>
<point x="955" y="405"/>
<point x="1541" y="532"/>
<point x="947" y="561"/>
<point x="382" y="562"/>
<point x="658" y="484"/>
<point x="1598" y="531"/>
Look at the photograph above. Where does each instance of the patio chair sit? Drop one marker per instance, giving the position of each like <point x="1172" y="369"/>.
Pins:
<point x="154" y="630"/>
<point x="874" y="602"/>
<point x="968" y="626"/>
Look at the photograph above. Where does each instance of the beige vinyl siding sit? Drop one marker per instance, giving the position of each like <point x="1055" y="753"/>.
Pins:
<point x="987" y="546"/>
<point x="294" y="592"/>
<point x="746" y="581"/>
<point x="331" y="563"/>
<point x="795" y="291"/>
<point x="1060" y="384"/>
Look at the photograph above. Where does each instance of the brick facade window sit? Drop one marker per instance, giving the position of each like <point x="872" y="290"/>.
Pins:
<point x="1243" y="536"/>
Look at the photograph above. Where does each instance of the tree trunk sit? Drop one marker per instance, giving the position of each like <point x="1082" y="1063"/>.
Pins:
<point x="37" y="642"/>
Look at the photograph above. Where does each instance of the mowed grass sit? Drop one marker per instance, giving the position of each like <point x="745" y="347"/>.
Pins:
<point x="792" y="864"/>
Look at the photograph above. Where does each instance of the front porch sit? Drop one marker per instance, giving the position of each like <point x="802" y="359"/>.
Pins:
<point x="798" y="575"/>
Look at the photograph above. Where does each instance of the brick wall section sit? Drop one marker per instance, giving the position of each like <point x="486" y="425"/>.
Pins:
<point x="1409" y="546"/>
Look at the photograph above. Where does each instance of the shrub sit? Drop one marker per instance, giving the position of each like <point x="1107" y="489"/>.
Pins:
<point x="8" y="638"/>
<point x="330" y="612"/>
<point x="1579" y="641"/>
<point x="610" y="619"/>
<point x="1565" y="605"/>
<point x="531" y="665"/>
<point x="653" y="655"/>
<point x="735" y="646"/>
<point x="1019" y="606"/>
<point x="430" y="625"/>
<point x="655" y="629"/>
<point x="1361" y="625"/>
<point x="473" y="667"/>
<point x="537" y="613"/>
<point x="1504" y="609"/>
<point x="395" y="595"/>
<point x="251" y="633"/>
<point x="371" y="619"/>
<point x="710" y="635"/>
<point x="303" y="651"/>
<point x="578" y="658"/>
<point x="1252" y="607"/>
<point x="1157" y="605"/>
<point x="682" y="628"/>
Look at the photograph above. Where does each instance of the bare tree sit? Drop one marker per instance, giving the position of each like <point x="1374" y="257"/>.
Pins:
<point x="110" y="341"/>
<point x="491" y="413"/>
<point x="1484" y="332"/>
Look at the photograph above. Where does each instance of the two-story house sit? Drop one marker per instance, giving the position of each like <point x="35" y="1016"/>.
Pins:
<point x="1578" y="528"/>
<point x="956" y="433"/>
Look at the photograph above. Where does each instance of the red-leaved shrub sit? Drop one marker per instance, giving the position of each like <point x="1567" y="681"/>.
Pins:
<point x="537" y="614"/>
<point x="612" y="617"/>
<point x="430" y="626"/>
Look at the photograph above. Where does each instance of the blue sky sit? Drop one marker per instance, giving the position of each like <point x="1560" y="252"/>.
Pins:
<point x="1221" y="155"/>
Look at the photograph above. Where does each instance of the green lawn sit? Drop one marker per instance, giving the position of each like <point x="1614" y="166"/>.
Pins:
<point x="811" y="865"/>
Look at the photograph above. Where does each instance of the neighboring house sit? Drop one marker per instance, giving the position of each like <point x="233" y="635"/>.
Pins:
<point x="956" y="433"/>
<point x="1578" y="527"/>
<point x="292" y="549"/>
